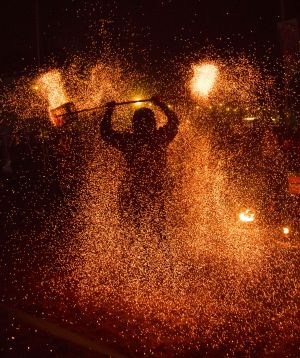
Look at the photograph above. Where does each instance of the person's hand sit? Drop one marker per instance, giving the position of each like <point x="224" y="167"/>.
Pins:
<point x="156" y="100"/>
<point x="110" y="105"/>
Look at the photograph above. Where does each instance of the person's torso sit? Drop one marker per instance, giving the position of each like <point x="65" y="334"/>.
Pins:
<point x="146" y="161"/>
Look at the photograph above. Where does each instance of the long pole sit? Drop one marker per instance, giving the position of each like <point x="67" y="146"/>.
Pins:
<point x="101" y="107"/>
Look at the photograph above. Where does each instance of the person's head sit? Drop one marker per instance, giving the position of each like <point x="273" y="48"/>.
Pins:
<point x="143" y="121"/>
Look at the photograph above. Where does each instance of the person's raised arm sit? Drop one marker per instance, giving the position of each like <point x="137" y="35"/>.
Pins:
<point x="108" y="134"/>
<point x="167" y="132"/>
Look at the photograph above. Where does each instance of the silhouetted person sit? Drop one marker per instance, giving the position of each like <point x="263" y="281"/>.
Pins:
<point x="143" y="192"/>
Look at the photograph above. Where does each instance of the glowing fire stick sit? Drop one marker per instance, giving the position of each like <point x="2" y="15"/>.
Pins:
<point x="100" y="107"/>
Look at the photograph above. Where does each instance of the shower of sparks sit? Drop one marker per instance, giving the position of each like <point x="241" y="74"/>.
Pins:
<point x="52" y="87"/>
<point x="212" y="286"/>
<point x="204" y="78"/>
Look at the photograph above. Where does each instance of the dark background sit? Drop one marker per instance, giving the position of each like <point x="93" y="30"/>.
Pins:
<point x="37" y="33"/>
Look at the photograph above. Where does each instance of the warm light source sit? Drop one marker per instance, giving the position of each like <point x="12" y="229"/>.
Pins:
<point x="63" y="114"/>
<point x="204" y="78"/>
<point x="247" y="215"/>
<point x="286" y="230"/>
<point x="137" y="102"/>
<point x="52" y="88"/>
<point x="249" y="119"/>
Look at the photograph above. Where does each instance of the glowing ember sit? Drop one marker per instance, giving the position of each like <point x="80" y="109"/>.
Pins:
<point x="204" y="79"/>
<point x="286" y="230"/>
<point x="52" y="88"/>
<point x="60" y="115"/>
<point x="247" y="216"/>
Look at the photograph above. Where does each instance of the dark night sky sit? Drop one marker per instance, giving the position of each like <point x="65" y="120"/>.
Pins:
<point x="165" y="28"/>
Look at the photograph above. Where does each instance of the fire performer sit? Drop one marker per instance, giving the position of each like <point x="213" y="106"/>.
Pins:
<point x="143" y="192"/>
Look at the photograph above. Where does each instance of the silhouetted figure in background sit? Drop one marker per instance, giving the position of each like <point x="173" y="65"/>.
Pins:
<point x="143" y="192"/>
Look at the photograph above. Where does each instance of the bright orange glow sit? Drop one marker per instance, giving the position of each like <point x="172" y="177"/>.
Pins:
<point x="204" y="78"/>
<point x="247" y="216"/>
<point x="52" y="88"/>
<point x="286" y="230"/>
<point x="137" y="103"/>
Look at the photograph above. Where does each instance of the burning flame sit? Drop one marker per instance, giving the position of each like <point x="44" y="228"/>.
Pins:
<point x="52" y="89"/>
<point x="247" y="216"/>
<point x="286" y="230"/>
<point x="203" y="79"/>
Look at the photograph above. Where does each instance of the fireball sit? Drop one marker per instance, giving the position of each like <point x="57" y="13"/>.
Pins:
<point x="52" y="88"/>
<point x="204" y="79"/>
